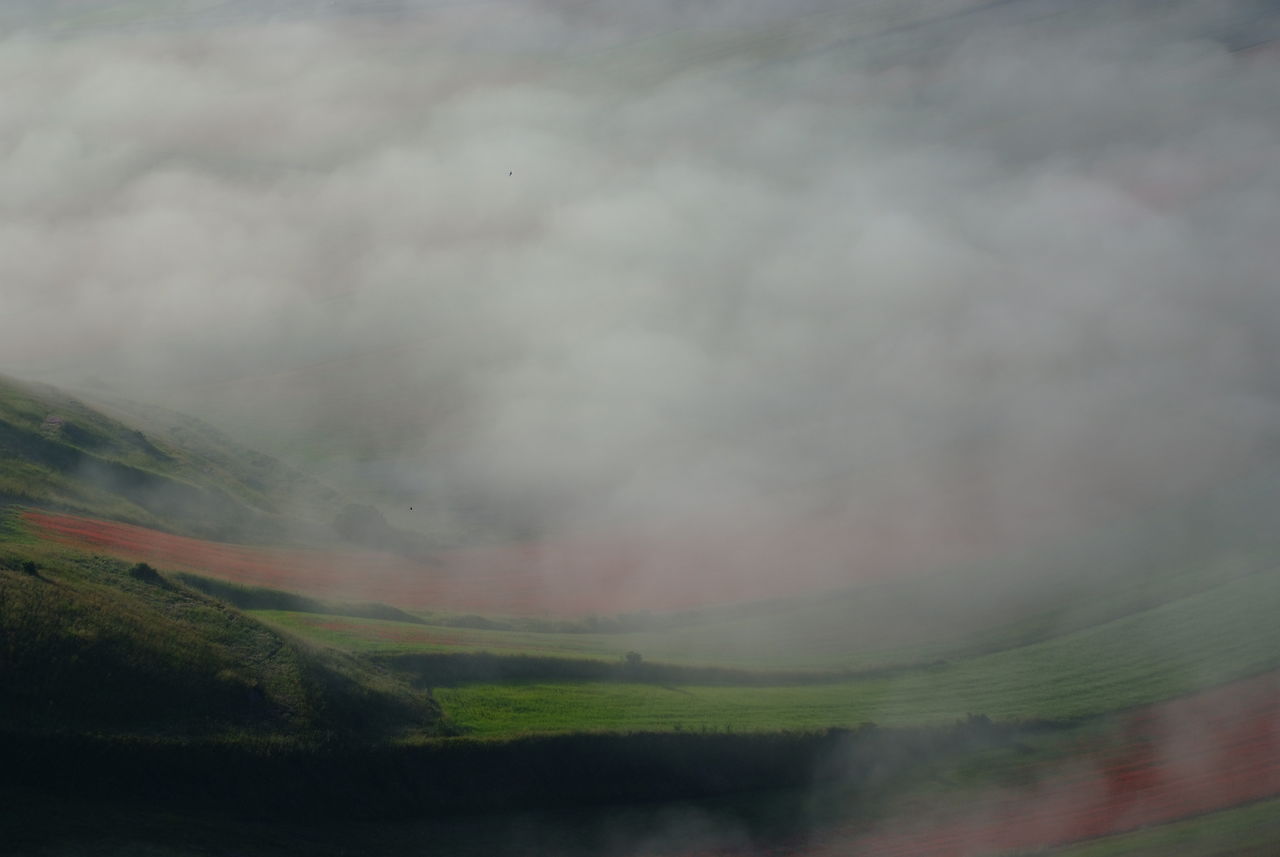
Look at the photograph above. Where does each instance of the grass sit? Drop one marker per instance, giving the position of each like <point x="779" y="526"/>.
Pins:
<point x="1247" y="831"/>
<point x="512" y="708"/>
<point x="143" y="465"/>
<point x="11" y="529"/>
<point x="384" y="637"/>
<point x="1212" y="637"/>
<point x="841" y="630"/>
<point x="90" y="644"/>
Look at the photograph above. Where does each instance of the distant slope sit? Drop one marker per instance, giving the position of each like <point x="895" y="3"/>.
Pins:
<point x="257" y="479"/>
<point x="146" y="466"/>
<point x="592" y="605"/>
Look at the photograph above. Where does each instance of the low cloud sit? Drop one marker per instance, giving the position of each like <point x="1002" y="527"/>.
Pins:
<point x="960" y="284"/>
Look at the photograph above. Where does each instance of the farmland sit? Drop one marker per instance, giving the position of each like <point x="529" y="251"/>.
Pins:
<point x="1156" y="763"/>
<point x="1208" y="638"/>
<point x="1147" y="744"/>
<point x="1191" y="638"/>
<point x="1156" y="639"/>
<point x="1193" y="755"/>
<point x="591" y="577"/>
<point x="952" y="612"/>
<point x="375" y="636"/>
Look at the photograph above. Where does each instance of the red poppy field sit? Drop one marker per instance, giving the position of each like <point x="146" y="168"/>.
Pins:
<point x="1180" y="759"/>
<point x="346" y="574"/>
<point x="1186" y="757"/>
<point x="566" y="578"/>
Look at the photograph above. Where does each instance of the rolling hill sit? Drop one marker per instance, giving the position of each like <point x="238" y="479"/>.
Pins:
<point x="1118" y="680"/>
<point x="146" y="465"/>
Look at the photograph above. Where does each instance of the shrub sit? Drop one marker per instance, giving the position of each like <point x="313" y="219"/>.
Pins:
<point x="145" y="573"/>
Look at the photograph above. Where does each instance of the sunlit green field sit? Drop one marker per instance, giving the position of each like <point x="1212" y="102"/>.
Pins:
<point x="1212" y="637"/>
<point x="380" y="636"/>
<point x="511" y="708"/>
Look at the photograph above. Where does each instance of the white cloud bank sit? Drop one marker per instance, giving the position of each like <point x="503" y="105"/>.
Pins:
<point x="969" y="280"/>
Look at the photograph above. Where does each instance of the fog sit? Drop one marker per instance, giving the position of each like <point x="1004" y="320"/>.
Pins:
<point x="887" y="284"/>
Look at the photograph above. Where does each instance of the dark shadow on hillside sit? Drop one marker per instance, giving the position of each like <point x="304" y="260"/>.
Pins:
<point x="262" y="598"/>
<point x="451" y="669"/>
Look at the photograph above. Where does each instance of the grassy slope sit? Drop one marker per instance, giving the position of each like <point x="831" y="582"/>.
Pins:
<point x="256" y="479"/>
<point x="141" y="465"/>
<point x="1211" y="637"/>
<point x="1044" y="592"/>
<point x="1146" y="640"/>
<point x="805" y="633"/>
<point x="384" y="637"/>
<point x="87" y="646"/>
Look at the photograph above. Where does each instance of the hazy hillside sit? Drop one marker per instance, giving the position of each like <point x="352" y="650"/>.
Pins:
<point x="146" y="465"/>
<point x="95" y="646"/>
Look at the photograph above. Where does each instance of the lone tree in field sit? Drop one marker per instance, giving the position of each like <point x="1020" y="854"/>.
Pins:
<point x="145" y="573"/>
<point x="632" y="660"/>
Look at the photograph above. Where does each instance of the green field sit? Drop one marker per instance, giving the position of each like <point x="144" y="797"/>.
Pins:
<point x="380" y="636"/>
<point x="1049" y="644"/>
<point x="1208" y="638"/>
<point x="954" y="614"/>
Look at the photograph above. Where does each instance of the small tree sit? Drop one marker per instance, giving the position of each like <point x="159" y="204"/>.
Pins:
<point x="145" y="573"/>
<point x="632" y="660"/>
<point x="31" y="568"/>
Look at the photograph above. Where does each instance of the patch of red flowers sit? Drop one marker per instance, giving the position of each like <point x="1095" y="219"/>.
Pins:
<point x="1196" y="754"/>
<point x="564" y="579"/>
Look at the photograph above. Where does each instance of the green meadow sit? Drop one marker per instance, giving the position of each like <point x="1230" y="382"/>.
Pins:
<point x="1210" y="637"/>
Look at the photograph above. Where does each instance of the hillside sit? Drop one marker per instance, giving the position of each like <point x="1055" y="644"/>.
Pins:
<point x="1119" y="677"/>
<point x="97" y="646"/>
<point x="519" y="597"/>
<point x="146" y="466"/>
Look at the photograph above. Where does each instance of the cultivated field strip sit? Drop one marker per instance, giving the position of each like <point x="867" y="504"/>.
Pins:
<point x="1213" y="637"/>
<point x="517" y="580"/>
<point x="1193" y="755"/>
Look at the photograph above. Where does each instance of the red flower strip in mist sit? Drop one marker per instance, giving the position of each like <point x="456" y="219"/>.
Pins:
<point x="567" y="578"/>
<point x="344" y="574"/>
<point x="1197" y="754"/>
